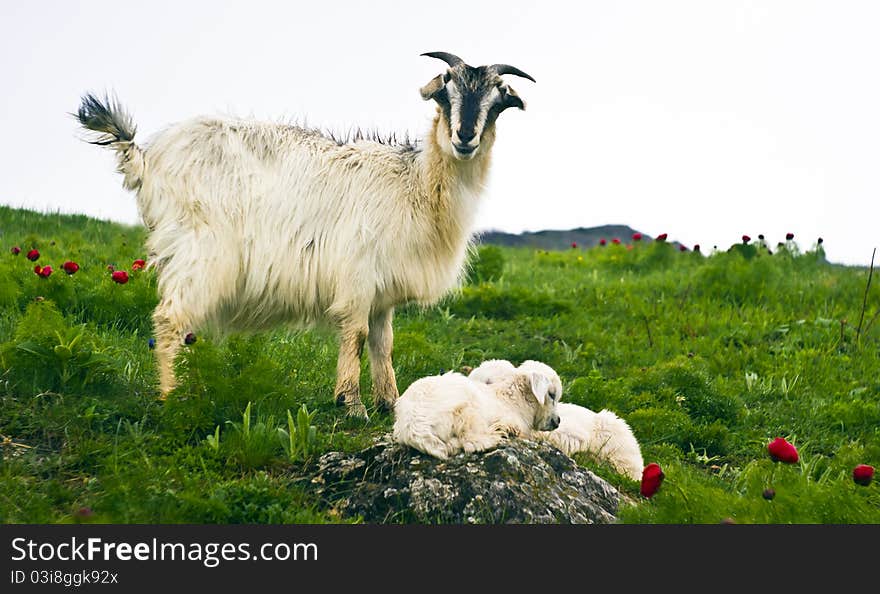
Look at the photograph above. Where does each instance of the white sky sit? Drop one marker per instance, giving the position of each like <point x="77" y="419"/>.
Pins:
<point x="701" y="119"/>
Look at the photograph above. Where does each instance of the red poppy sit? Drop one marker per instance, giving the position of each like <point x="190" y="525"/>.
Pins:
<point x="33" y="255"/>
<point x="189" y="338"/>
<point x="782" y="451"/>
<point x="652" y="476"/>
<point x="662" y="237"/>
<point x="119" y="276"/>
<point x="138" y="265"/>
<point x="746" y="238"/>
<point x="70" y="267"/>
<point x="45" y="271"/>
<point x="696" y="247"/>
<point x="602" y="241"/>
<point x="84" y="512"/>
<point x="37" y="269"/>
<point x="862" y="474"/>
<point x="682" y="248"/>
<point x="110" y="267"/>
<point x="789" y="236"/>
<point x="637" y="236"/>
<point x="615" y="241"/>
<point x="16" y="250"/>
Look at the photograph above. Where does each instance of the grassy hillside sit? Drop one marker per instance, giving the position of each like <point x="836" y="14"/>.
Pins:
<point x="707" y="358"/>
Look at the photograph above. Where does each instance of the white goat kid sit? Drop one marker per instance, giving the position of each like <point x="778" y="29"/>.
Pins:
<point x="446" y="414"/>
<point x="603" y="435"/>
<point x="256" y="224"/>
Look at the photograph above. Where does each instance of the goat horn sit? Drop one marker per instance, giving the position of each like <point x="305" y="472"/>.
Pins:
<point x="508" y="69"/>
<point x="450" y="59"/>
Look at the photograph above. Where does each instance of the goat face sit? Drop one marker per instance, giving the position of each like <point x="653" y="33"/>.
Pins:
<point x="470" y="100"/>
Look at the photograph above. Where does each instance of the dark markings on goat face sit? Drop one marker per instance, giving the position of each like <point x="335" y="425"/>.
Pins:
<point x="442" y="99"/>
<point x="472" y="86"/>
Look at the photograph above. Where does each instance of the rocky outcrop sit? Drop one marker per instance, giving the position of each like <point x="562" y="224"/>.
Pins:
<point x="521" y="482"/>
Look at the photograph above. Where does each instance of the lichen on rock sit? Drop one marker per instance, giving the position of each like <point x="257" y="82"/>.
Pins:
<point x="519" y="482"/>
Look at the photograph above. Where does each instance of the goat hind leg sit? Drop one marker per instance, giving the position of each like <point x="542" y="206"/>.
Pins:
<point x="169" y="329"/>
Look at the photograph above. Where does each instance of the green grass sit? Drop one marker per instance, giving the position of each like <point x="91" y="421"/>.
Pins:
<point x="707" y="358"/>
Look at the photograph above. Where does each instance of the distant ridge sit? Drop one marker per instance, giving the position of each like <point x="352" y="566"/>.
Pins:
<point x="553" y="239"/>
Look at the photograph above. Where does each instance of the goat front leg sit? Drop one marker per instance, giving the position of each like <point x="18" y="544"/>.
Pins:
<point x="381" y="343"/>
<point x="348" y="368"/>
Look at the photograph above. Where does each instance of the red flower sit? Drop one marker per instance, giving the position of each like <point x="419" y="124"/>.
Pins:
<point x="652" y="476"/>
<point x="70" y="267"/>
<point x="696" y="247"/>
<point x="110" y="267"/>
<point x="602" y="241"/>
<point x="16" y="250"/>
<point x="189" y="338"/>
<point x="862" y="474"/>
<point x="37" y="269"/>
<point x="746" y="238"/>
<point x="83" y="512"/>
<point x="769" y="493"/>
<point x="662" y="237"/>
<point x="33" y="255"/>
<point x="682" y="248"/>
<point x="138" y="265"/>
<point x="782" y="451"/>
<point x="637" y="236"/>
<point x="574" y="245"/>
<point x="119" y="276"/>
<point x="615" y="241"/>
<point x="789" y="236"/>
<point x="45" y="271"/>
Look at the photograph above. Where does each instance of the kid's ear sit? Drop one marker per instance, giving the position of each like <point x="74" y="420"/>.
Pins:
<point x="540" y="385"/>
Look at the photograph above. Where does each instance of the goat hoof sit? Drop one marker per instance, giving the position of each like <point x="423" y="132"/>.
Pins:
<point x="343" y="398"/>
<point x="357" y="411"/>
<point x="385" y="404"/>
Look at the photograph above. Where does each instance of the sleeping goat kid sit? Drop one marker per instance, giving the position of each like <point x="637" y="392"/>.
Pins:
<point x="447" y="414"/>
<point x="255" y="224"/>
<point x="603" y="435"/>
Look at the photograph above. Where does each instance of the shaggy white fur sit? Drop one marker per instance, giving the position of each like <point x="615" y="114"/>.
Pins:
<point x="255" y="224"/>
<point x="604" y="435"/>
<point x="446" y="414"/>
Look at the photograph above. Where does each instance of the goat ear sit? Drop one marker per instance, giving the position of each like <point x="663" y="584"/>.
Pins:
<point x="430" y="89"/>
<point x="540" y="386"/>
<point x="511" y="99"/>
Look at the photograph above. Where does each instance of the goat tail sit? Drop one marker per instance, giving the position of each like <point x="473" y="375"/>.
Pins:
<point x="114" y="128"/>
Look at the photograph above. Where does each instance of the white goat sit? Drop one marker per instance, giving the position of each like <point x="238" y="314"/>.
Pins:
<point x="603" y="435"/>
<point x="443" y="415"/>
<point x="255" y="224"/>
